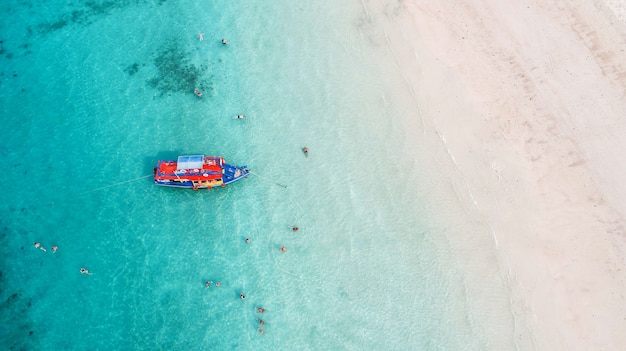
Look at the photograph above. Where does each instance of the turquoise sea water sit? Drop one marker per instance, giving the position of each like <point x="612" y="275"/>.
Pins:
<point x="93" y="94"/>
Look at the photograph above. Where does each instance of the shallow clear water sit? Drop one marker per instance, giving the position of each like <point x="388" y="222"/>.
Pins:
<point x="92" y="95"/>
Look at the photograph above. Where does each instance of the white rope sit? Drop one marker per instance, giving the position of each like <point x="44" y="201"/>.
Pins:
<point x="258" y="175"/>
<point x="116" y="184"/>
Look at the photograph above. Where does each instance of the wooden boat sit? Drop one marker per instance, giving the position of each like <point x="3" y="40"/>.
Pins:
<point x="197" y="172"/>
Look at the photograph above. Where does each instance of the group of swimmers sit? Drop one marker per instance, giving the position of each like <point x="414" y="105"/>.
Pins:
<point x="201" y="37"/>
<point x="54" y="249"/>
<point x="282" y="248"/>
<point x="196" y="91"/>
<point x="38" y="246"/>
<point x="242" y="296"/>
<point x="209" y="282"/>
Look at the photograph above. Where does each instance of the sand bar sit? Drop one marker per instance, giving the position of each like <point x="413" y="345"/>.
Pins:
<point x="529" y="99"/>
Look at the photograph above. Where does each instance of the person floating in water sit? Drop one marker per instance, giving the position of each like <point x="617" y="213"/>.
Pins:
<point x="201" y="36"/>
<point x="224" y="41"/>
<point x="306" y="151"/>
<point x="283" y="249"/>
<point x="38" y="246"/>
<point x="84" y="271"/>
<point x="260" y="310"/>
<point x="55" y="248"/>
<point x="239" y="116"/>
<point x="198" y="93"/>
<point x="218" y="284"/>
<point x="261" y="331"/>
<point x="261" y="322"/>
<point x="247" y="240"/>
<point x="242" y="296"/>
<point x="208" y="283"/>
<point x="295" y="229"/>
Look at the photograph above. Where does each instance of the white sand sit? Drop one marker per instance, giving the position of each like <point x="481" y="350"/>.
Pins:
<point x="528" y="97"/>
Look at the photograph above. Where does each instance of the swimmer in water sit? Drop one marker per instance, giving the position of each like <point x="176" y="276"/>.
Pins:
<point x="84" y="271"/>
<point x="55" y="248"/>
<point x="208" y="283"/>
<point x="38" y="246"/>
<point x="242" y="296"/>
<point x="224" y="41"/>
<point x="306" y="151"/>
<point x="201" y="36"/>
<point x="283" y="249"/>
<point x="247" y="240"/>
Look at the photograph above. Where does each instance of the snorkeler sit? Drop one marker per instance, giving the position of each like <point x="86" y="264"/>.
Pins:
<point x="38" y="245"/>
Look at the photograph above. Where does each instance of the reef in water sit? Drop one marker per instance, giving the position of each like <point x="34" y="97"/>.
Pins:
<point x="174" y="71"/>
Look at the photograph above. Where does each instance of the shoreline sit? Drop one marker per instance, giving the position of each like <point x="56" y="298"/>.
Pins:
<point x="526" y="100"/>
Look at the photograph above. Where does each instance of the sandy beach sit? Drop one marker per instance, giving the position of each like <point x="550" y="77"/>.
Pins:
<point x="528" y="98"/>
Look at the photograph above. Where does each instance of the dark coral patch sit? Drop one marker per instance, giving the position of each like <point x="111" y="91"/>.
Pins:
<point x="175" y="73"/>
<point x="132" y="69"/>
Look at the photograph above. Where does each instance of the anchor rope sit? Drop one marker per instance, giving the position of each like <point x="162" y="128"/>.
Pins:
<point x="258" y="175"/>
<point x="116" y="184"/>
